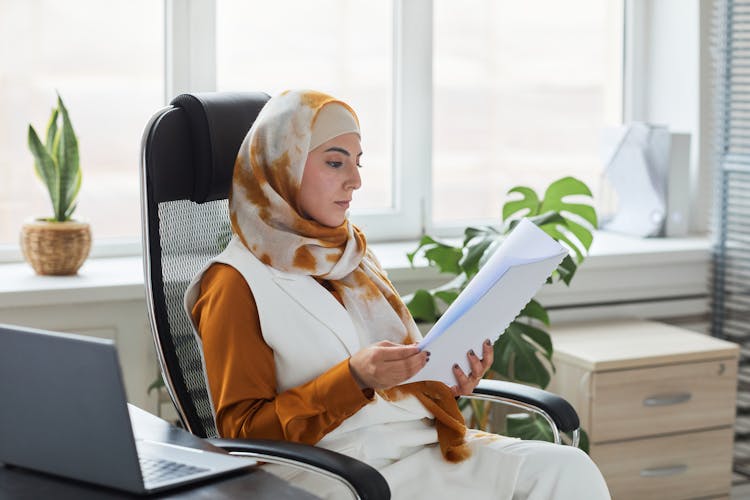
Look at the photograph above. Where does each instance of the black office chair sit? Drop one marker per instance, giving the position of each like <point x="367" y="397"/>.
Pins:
<point x="188" y="154"/>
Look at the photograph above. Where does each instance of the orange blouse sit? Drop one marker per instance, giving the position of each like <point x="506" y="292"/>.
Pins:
<point x="242" y="375"/>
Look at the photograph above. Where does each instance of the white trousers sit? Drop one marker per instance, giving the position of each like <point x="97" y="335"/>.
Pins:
<point x="502" y="469"/>
<point x="550" y="471"/>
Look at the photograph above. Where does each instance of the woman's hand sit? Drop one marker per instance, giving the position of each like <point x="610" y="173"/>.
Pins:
<point x="467" y="383"/>
<point x="385" y="364"/>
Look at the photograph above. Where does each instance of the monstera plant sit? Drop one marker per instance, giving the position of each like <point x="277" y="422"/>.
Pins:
<point x="523" y="353"/>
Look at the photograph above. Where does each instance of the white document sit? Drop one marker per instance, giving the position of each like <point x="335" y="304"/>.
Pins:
<point x="488" y="304"/>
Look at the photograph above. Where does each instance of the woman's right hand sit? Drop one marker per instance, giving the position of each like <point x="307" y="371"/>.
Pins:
<point x="385" y="364"/>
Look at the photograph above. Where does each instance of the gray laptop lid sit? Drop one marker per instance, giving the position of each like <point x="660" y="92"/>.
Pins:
<point x="62" y="408"/>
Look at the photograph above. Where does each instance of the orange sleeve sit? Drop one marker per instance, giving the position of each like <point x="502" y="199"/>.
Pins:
<point x="242" y="374"/>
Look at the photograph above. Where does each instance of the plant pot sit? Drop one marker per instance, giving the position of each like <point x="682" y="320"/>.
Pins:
<point x="55" y="248"/>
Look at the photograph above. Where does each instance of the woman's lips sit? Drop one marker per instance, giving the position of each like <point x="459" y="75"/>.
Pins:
<point x="343" y="204"/>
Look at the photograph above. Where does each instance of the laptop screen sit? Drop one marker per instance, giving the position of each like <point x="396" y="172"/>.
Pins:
<point x="64" y="408"/>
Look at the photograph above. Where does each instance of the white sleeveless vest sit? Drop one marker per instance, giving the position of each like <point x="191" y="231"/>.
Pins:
<point x="309" y="331"/>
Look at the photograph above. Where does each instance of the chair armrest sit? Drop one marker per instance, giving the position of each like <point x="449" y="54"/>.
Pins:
<point x="558" y="409"/>
<point x="362" y="479"/>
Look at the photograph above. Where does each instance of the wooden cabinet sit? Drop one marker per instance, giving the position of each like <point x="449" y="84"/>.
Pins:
<point x="658" y="404"/>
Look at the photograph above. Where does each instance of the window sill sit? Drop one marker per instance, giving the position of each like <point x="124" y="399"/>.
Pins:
<point x="618" y="269"/>
<point x="98" y="280"/>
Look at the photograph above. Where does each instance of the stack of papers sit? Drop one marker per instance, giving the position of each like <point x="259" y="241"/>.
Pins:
<point x="488" y="304"/>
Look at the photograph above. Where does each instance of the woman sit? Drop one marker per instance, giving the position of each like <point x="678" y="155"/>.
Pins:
<point x="305" y="339"/>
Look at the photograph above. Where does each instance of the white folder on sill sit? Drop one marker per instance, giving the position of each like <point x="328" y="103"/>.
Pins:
<point x="488" y="304"/>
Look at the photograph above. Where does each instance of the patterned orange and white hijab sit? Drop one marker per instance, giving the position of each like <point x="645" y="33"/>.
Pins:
<point x="264" y="211"/>
<point x="265" y="215"/>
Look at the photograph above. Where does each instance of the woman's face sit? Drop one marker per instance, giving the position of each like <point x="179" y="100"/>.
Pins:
<point x="330" y="177"/>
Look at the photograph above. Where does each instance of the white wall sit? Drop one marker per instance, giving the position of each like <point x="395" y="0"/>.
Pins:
<point x="669" y="50"/>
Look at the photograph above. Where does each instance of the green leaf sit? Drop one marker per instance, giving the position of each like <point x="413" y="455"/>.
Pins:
<point x="442" y="255"/>
<point x="539" y="336"/>
<point x="68" y="162"/>
<point x="547" y="218"/>
<point x="583" y="442"/>
<point x="470" y="262"/>
<point x="422" y="306"/>
<point x="447" y="296"/>
<point x="528" y="427"/>
<point x="51" y="130"/>
<point x="567" y="269"/>
<point x="426" y="240"/>
<point x="558" y="235"/>
<point x="529" y="201"/>
<point x="583" y="234"/>
<point x="535" y="310"/>
<point x="73" y="194"/>
<point x="533" y="427"/>
<point x="445" y="257"/>
<point x="516" y="358"/>
<point x="463" y="403"/>
<point x="568" y="186"/>
<point x="481" y="412"/>
<point x="479" y="232"/>
<point x="70" y="211"/>
<point x="44" y="165"/>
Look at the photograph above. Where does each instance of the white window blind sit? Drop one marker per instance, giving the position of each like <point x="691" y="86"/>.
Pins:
<point x="731" y="256"/>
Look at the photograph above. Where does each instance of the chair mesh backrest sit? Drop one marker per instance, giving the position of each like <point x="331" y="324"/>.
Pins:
<point x="189" y="149"/>
<point x="191" y="235"/>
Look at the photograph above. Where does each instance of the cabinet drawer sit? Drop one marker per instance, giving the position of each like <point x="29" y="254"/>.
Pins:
<point x="689" y="465"/>
<point x="666" y="399"/>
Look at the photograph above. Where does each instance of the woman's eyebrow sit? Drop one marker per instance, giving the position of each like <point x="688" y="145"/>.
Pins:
<point x="340" y="150"/>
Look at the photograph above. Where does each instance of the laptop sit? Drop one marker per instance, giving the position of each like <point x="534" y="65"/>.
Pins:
<point x="63" y="411"/>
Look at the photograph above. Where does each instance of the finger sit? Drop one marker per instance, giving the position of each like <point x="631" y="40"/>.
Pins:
<point x="415" y="363"/>
<point x="461" y="377"/>
<point x="488" y="355"/>
<point x="454" y="391"/>
<point x="398" y="352"/>
<point x="465" y="385"/>
<point x="397" y="371"/>
<point x="477" y="369"/>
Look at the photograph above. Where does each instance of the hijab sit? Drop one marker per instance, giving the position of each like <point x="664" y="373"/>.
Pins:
<point x="266" y="216"/>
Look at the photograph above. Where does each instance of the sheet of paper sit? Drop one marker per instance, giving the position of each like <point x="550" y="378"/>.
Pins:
<point x="501" y="289"/>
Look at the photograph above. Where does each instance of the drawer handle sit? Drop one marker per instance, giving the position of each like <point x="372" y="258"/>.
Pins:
<point x="667" y="399"/>
<point x="671" y="470"/>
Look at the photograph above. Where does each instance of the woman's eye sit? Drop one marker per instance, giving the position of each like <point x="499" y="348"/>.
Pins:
<point x="359" y="165"/>
<point x="334" y="164"/>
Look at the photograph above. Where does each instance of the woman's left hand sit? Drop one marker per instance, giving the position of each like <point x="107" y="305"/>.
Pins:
<point x="467" y="383"/>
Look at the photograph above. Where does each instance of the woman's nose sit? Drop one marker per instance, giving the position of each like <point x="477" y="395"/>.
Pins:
<point x="354" y="181"/>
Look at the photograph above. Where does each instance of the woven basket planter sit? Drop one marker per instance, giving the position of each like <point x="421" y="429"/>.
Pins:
<point x="55" y="248"/>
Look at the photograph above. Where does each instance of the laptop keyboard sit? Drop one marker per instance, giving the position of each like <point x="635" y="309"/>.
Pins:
<point x="159" y="469"/>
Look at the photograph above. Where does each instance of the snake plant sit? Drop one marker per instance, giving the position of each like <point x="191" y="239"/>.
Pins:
<point x="56" y="162"/>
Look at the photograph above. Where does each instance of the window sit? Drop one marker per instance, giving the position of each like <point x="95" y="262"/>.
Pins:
<point x="458" y="101"/>
<point x="341" y="47"/>
<point x="106" y="60"/>
<point x="521" y="93"/>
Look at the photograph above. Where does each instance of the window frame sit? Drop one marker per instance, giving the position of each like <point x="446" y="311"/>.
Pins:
<point x="190" y="66"/>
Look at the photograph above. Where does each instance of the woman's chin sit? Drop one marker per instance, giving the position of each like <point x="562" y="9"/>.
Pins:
<point x="333" y="221"/>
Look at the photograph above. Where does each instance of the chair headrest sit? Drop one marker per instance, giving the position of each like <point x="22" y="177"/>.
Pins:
<point x="218" y="122"/>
